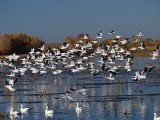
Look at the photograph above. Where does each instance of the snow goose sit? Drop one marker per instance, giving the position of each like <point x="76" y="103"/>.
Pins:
<point x="99" y="36"/>
<point x="136" y="40"/>
<point x="125" y="41"/>
<point x="142" y="47"/>
<point x="74" y="70"/>
<point x="141" y="75"/>
<point x="155" y="53"/>
<point x="57" y="72"/>
<point x="13" y="57"/>
<point x="118" y="36"/>
<point x="64" y="46"/>
<point x="34" y="70"/>
<point x="11" y="81"/>
<point x="82" y="91"/>
<point x="153" y="57"/>
<point x="22" y="70"/>
<point x="48" y="113"/>
<point x="42" y="72"/>
<point x="24" y="110"/>
<point x="155" y="117"/>
<point x="78" y="109"/>
<point x="137" y="76"/>
<point x="112" y="32"/>
<point x="42" y="48"/>
<point x="128" y="66"/>
<point x="140" y="34"/>
<point x="15" y="70"/>
<point x="133" y="49"/>
<point x="111" y="76"/>
<point x="85" y="37"/>
<point x="66" y="96"/>
<point x="32" y="51"/>
<point x="10" y="88"/>
<point x="81" y="68"/>
<point x="14" y="113"/>
<point x="71" y="65"/>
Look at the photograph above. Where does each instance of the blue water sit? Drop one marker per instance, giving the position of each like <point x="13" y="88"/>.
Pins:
<point x="105" y="99"/>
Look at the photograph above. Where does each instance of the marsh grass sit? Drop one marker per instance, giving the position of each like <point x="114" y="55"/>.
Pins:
<point x="19" y="43"/>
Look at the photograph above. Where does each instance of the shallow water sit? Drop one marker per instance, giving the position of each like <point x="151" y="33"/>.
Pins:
<point x="104" y="100"/>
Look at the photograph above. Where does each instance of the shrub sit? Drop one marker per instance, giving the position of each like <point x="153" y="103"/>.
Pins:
<point x="19" y="43"/>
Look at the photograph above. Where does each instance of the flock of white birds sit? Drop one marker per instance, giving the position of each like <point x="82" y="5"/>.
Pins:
<point x="56" y="60"/>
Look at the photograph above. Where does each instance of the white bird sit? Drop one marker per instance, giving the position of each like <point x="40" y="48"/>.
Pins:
<point x="155" y="54"/>
<point x="94" y="41"/>
<point x="66" y="96"/>
<point x="10" y="88"/>
<point x="22" y="70"/>
<point x="34" y="70"/>
<point x="57" y="72"/>
<point x="64" y="46"/>
<point x="48" y="113"/>
<point x="128" y="66"/>
<point x="74" y="70"/>
<point x="112" y="32"/>
<point x="142" y="75"/>
<point x="24" y="110"/>
<point x="14" y="113"/>
<point x="81" y="68"/>
<point x="42" y="72"/>
<point x="32" y="51"/>
<point x="140" y="34"/>
<point x="136" y="40"/>
<point x="82" y="91"/>
<point x="13" y="57"/>
<point x="78" y="109"/>
<point x="41" y="48"/>
<point x="71" y="65"/>
<point x="154" y="57"/>
<point x="11" y="81"/>
<point x="155" y="117"/>
<point x="125" y="41"/>
<point x="99" y="36"/>
<point x="85" y="37"/>
<point x="133" y="49"/>
<point x="111" y="76"/>
<point x="15" y="70"/>
<point x="142" y="47"/>
<point x="118" y="36"/>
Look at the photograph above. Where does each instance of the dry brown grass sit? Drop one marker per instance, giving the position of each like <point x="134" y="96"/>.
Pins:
<point x="18" y="43"/>
<point x="52" y="45"/>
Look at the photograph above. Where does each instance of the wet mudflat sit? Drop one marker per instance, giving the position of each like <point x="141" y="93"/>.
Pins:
<point x="119" y="99"/>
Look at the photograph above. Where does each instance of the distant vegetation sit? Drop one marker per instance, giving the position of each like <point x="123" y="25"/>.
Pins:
<point x="21" y="43"/>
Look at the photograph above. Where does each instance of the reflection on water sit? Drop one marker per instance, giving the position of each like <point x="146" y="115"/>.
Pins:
<point x="104" y="99"/>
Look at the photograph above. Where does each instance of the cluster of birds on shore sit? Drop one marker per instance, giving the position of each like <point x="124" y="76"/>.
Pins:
<point x="111" y="59"/>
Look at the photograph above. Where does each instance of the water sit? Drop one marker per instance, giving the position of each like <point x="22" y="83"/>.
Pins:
<point x="104" y="100"/>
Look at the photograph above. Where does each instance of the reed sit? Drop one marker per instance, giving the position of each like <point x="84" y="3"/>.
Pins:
<point x="19" y="43"/>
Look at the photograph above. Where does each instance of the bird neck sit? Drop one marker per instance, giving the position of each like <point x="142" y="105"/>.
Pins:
<point x="155" y="116"/>
<point x="77" y="105"/>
